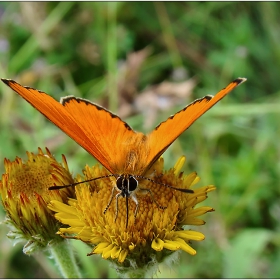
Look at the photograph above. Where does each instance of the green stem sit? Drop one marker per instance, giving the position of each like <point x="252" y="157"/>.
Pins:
<point x="136" y="274"/>
<point x="32" y="44"/>
<point x="129" y="272"/>
<point x="168" y="35"/>
<point x="112" y="56"/>
<point x="64" y="258"/>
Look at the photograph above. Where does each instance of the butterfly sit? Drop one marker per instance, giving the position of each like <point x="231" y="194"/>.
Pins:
<point x="125" y="153"/>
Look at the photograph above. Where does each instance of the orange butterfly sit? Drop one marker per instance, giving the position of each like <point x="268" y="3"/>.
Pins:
<point x="127" y="154"/>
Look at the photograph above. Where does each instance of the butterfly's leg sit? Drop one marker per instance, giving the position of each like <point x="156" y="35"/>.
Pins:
<point x="154" y="175"/>
<point x="134" y="198"/>
<point x="158" y="176"/>
<point x="117" y="198"/>
<point x="152" y="196"/>
<point x="111" y="198"/>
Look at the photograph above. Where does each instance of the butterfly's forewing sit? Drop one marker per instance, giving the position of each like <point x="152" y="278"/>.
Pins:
<point x="168" y="131"/>
<point x="107" y="134"/>
<point x="94" y="128"/>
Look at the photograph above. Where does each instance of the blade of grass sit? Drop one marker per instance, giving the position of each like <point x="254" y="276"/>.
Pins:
<point x="112" y="56"/>
<point x="168" y="35"/>
<point x="24" y="53"/>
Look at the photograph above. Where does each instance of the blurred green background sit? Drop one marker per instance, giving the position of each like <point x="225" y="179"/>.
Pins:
<point x="163" y="56"/>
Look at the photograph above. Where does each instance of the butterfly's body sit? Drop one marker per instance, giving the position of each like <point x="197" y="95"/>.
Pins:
<point x="125" y="153"/>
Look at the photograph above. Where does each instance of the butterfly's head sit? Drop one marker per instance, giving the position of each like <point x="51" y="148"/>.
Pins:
<point x="126" y="184"/>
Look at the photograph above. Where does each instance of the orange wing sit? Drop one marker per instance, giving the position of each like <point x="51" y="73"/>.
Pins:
<point x="94" y="128"/>
<point x="110" y="140"/>
<point x="168" y="131"/>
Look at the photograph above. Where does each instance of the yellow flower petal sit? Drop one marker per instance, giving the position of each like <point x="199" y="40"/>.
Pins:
<point x="200" y="211"/>
<point x="122" y="255"/>
<point x="157" y="244"/>
<point x="171" y="245"/>
<point x="101" y="247"/>
<point x="107" y="251"/>
<point x="184" y="246"/>
<point x="179" y="164"/>
<point x="115" y="252"/>
<point x="190" y="235"/>
<point x="193" y="221"/>
<point x="131" y="246"/>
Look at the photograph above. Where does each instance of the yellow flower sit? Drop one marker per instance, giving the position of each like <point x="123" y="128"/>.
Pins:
<point x="155" y="232"/>
<point x="25" y="195"/>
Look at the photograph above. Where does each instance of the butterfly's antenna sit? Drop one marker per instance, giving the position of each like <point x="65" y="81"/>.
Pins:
<point x="75" y="184"/>
<point x="165" y="185"/>
<point x="126" y="202"/>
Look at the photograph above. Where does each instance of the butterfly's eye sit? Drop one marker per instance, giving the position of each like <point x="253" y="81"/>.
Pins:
<point x="120" y="183"/>
<point x="133" y="184"/>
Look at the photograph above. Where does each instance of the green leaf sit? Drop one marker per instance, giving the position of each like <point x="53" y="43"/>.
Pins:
<point x="243" y="252"/>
